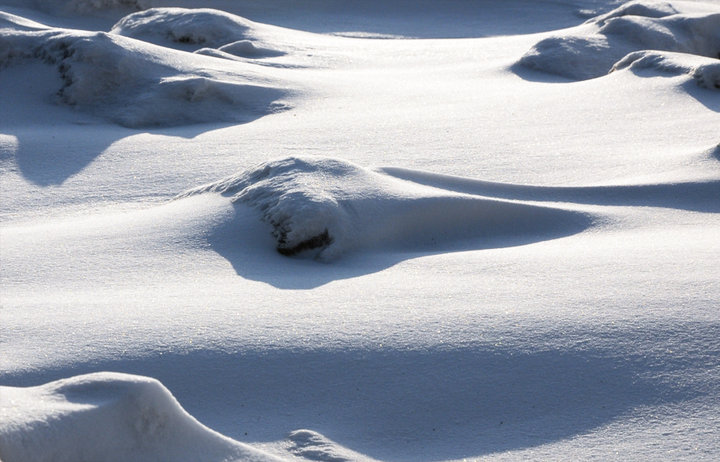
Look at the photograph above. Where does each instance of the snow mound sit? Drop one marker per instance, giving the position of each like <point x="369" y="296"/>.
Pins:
<point x="327" y="206"/>
<point x="637" y="26"/>
<point x="654" y="9"/>
<point x="314" y="446"/>
<point x="109" y="417"/>
<point x="193" y="29"/>
<point x="136" y="84"/>
<point x="705" y="71"/>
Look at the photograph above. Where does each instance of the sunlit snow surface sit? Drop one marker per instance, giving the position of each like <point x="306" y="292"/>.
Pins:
<point x="397" y="230"/>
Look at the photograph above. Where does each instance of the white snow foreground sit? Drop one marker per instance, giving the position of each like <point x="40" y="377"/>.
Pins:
<point x="110" y="417"/>
<point x="137" y="84"/>
<point x="330" y="206"/>
<point x="691" y="31"/>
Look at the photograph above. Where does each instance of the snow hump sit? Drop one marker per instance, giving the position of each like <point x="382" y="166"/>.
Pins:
<point x="326" y="207"/>
<point x="592" y="51"/>
<point x="189" y="27"/>
<point x="136" y="84"/>
<point x="109" y="417"/>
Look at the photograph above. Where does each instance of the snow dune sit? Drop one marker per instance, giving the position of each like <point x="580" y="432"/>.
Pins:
<point x="592" y="50"/>
<point x="330" y="206"/>
<point x="137" y="84"/>
<point x="110" y="417"/>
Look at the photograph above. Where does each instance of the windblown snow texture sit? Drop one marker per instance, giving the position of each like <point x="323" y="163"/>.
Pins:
<point x="635" y="27"/>
<point x="332" y="206"/>
<point x="110" y="417"/>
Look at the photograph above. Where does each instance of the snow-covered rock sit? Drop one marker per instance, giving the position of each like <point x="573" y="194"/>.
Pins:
<point x="330" y="206"/>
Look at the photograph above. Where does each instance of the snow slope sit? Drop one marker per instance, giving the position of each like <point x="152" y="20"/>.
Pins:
<point x="325" y="246"/>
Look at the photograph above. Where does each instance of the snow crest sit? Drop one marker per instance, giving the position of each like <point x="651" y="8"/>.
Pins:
<point x="679" y="27"/>
<point x="327" y="207"/>
<point x="110" y="417"/>
<point x="136" y="84"/>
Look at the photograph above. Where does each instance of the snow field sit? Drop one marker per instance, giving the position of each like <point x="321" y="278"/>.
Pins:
<point x="530" y="274"/>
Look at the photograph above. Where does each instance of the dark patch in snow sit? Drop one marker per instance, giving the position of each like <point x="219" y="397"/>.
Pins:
<point x="320" y="241"/>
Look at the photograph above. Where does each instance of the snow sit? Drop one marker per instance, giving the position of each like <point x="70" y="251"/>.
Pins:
<point x="330" y="206"/>
<point x="108" y="416"/>
<point x="135" y="84"/>
<point x="592" y="51"/>
<point x="197" y="27"/>
<point x="327" y="240"/>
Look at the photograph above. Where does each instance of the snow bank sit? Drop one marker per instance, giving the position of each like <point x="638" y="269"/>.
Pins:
<point x="329" y="206"/>
<point x="604" y="40"/>
<point x="137" y="84"/>
<point x="110" y="417"/>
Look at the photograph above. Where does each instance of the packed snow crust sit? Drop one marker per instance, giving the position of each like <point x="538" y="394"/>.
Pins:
<point x="638" y="26"/>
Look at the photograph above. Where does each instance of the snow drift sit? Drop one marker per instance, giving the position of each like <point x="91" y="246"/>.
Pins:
<point x="329" y="206"/>
<point x="193" y="30"/>
<point x="111" y="417"/>
<point x="595" y="47"/>
<point x="136" y="84"/>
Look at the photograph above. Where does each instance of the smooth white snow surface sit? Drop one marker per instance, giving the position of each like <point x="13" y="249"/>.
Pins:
<point x="327" y="240"/>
